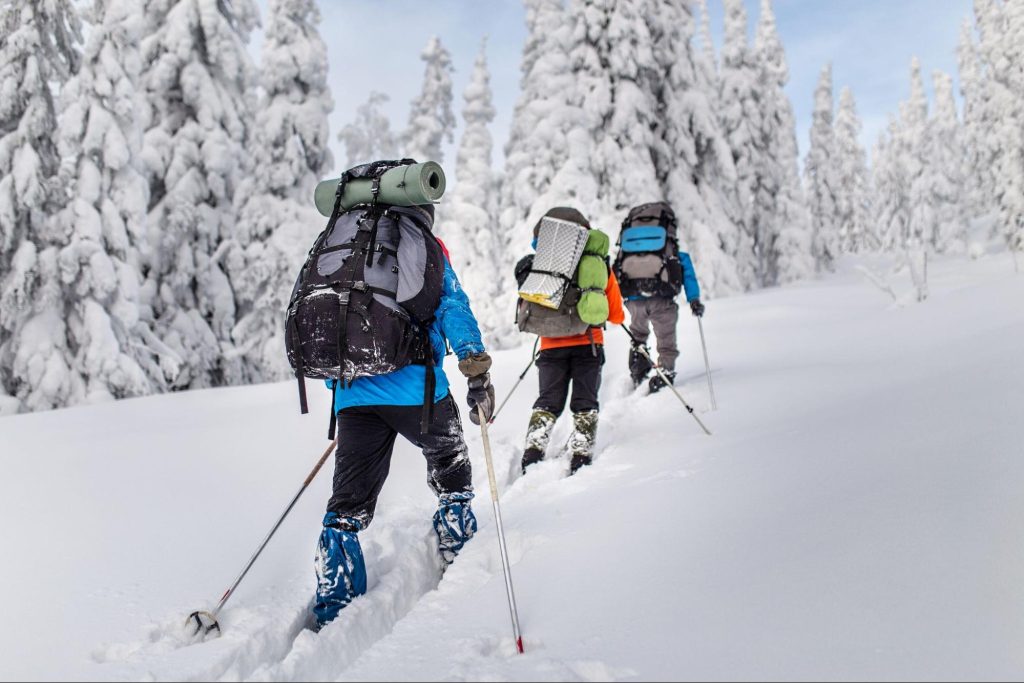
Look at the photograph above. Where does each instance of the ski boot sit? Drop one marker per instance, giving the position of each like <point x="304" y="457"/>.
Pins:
<point x="454" y="524"/>
<point x="538" y="435"/>
<point x="657" y="383"/>
<point x="581" y="444"/>
<point x="340" y="568"/>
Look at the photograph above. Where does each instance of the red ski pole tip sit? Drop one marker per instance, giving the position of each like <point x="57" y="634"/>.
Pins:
<point x="519" y="645"/>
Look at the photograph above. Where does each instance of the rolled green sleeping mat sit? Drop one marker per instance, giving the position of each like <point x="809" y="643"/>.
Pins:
<point x="401" y="186"/>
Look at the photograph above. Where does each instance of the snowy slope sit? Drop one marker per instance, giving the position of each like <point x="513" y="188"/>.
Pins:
<point x="857" y="514"/>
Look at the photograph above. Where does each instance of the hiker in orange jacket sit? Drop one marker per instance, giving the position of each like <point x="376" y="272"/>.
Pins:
<point x="575" y="362"/>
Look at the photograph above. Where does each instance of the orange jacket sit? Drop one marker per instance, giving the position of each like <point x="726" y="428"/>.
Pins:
<point x="616" y="316"/>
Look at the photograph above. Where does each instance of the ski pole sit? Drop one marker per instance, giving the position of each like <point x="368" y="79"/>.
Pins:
<point x="642" y="348"/>
<point x="513" y="611"/>
<point x="533" y="360"/>
<point x="204" y="621"/>
<point x="707" y="364"/>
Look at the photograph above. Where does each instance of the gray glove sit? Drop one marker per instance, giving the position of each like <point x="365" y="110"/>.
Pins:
<point x="480" y="396"/>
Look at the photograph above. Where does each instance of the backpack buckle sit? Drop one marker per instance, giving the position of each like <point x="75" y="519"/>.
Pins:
<point x="360" y="286"/>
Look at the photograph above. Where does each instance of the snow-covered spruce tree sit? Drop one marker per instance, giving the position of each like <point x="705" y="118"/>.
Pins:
<point x="616" y="74"/>
<point x="109" y="336"/>
<point x="740" y="117"/>
<point x="471" y="229"/>
<point x="981" y="148"/>
<point x="38" y="48"/>
<point x="369" y="137"/>
<point x="945" y="171"/>
<point x="852" y="199"/>
<point x="783" y="236"/>
<point x="915" y="145"/>
<point x="538" y="143"/>
<point x="1001" y="27"/>
<point x="199" y="88"/>
<point x="431" y="120"/>
<point x="277" y="220"/>
<point x="821" y="177"/>
<point x="692" y="158"/>
<point x="891" y="197"/>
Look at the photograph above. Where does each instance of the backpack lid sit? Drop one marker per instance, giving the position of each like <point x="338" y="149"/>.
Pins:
<point x="653" y="213"/>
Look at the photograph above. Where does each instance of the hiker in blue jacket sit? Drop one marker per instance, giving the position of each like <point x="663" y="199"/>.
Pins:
<point x="371" y="413"/>
<point x="653" y="273"/>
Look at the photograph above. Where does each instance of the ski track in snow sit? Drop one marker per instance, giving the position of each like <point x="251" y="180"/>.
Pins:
<point x="263" y="643"/>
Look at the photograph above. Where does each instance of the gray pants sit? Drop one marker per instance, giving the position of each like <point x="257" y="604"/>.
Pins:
<point x="663" y="315"/>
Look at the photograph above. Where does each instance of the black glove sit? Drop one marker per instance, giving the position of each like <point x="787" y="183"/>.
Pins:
<point x="697" y="307"/>
<point x="480" y="395"/>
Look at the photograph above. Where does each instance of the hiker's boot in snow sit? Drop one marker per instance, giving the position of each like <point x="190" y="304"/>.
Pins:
<point x="454" y="524"/>
<point x="340" y="569"/>
<point x="538" y="435"/>
<point x="657" y="383"/>
<point x="639" y="366"/>
<point x="577" y="462"/>
<point x="583" y="439"/>
<point x="531" y="456"/>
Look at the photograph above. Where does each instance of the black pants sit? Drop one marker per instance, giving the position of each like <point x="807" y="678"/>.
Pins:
<point x="560" y="368"/>
<point x="367" y="440"/>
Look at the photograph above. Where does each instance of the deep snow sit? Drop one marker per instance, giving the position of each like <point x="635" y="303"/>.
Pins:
<point x="857" y="514"/>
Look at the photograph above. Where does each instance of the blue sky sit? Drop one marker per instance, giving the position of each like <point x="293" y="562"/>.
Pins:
<point x="375" y="45"/>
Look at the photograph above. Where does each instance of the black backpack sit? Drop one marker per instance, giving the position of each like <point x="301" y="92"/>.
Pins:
<point x="366" y="296"/>
<point x="648" y="263"/>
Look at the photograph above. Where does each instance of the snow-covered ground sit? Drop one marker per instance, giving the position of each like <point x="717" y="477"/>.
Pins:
<point x="857" y="514"/>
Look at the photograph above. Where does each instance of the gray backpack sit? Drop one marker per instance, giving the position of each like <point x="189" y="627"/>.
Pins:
<point x="532" y="318"/>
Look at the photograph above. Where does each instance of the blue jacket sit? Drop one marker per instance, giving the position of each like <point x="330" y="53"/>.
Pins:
<point x="690" y="285"/>
<point x="454" y="323"/>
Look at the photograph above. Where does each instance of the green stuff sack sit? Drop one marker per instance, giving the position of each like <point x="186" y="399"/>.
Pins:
<point x="592" y="279"/>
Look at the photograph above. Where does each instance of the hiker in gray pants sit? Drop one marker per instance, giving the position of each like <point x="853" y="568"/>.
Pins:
<point x="662" y="314"/>
<point x="653" y="272"/>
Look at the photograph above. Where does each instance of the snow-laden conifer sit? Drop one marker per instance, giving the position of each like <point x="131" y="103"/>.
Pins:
<point x="782" y="238"/>
<point x="692" y="157"/>
<point x="277" y="220"/>
<point x="852" y="190"/>
<point x="198" y="80"/>
<point x="471" y="229"/>
<point x="946" y="178"/>
<point x="820" y="175"/>
<point x="109" y="323"/>
<point x="38" y="50"/>
<point x="369" y="136"/>
<point x="431" y="121"/>
<point x="538" y="146"/>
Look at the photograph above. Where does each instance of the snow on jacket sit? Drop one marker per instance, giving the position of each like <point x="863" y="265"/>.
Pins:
<point x="453" y="324"/>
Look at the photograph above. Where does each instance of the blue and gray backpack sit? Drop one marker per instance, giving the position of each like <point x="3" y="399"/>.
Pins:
<point x="647" y="264"/>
